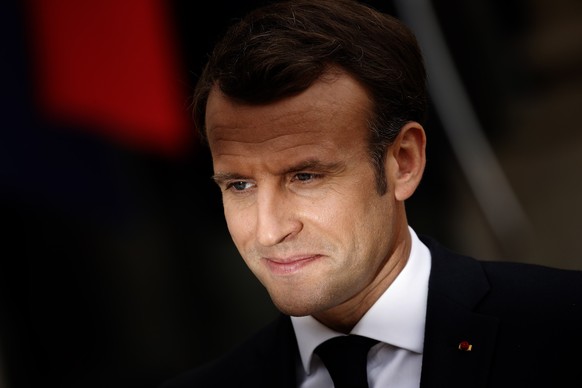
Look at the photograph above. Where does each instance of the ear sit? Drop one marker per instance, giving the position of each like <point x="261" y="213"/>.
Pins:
<point x="406" y="160"/>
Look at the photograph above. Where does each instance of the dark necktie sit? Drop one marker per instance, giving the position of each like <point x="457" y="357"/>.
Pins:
<point x="345" y="358"/>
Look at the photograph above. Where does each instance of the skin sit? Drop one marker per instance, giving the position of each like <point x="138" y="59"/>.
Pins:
<point x="300" y="197"/>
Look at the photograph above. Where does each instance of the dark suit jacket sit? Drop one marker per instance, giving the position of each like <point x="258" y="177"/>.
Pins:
<point x="524" y="323"/>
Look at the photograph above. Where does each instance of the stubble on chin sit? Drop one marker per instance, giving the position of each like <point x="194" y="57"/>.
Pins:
<point x="300" y="301"/>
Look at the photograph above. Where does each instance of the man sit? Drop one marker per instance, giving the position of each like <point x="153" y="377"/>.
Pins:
<point x="313" y="113"/>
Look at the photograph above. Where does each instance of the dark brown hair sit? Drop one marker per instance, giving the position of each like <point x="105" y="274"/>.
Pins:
<point x="279" y="50"/>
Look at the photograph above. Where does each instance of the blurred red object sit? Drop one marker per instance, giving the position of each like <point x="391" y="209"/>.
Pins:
<point x="113" y="67"/>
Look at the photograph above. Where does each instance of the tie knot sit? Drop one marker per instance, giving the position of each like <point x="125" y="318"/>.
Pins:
<point x="345" y="358"/>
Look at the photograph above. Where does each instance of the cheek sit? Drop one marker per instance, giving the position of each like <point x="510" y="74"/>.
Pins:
<point x="343" y="210"/>
<point x="368" y="218"/>
<point x="328" y="218"/>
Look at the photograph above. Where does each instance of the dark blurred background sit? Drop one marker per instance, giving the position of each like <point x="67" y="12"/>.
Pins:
<point x="117" y="269"/>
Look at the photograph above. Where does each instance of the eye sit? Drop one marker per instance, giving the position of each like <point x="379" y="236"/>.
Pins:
<point x="305" y="177"/>
<point x="238" y="186"/>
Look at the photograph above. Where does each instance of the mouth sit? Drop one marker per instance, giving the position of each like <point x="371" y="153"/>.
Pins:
<point x="290" y="265"/>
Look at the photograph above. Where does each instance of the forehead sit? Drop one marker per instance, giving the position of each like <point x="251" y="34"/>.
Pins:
<point x="333" y="111"/>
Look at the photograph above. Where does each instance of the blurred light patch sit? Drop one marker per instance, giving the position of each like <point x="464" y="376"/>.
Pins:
<point x="111" y="67"/>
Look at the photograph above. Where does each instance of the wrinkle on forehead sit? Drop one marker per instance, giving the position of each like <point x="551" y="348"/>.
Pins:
<point x="225" y="137"/>
<point x="321" y="102"/>
<point x="309" y="144"/>
<point x="281" y="124"/>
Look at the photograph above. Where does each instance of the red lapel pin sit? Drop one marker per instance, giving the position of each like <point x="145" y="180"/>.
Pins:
<point x="465" y="346"/>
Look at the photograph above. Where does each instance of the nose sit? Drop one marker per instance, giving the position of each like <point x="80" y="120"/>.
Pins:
<point x="277" y="219"/>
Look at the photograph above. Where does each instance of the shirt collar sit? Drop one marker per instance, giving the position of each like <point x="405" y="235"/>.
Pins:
<point x="397" y="318"/>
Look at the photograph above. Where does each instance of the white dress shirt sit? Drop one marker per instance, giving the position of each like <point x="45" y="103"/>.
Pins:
<point x="396" y="320"/>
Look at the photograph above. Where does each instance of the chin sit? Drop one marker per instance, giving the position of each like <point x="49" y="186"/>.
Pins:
<point x="294" y="308"/>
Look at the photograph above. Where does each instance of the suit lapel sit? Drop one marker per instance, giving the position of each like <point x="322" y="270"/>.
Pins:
<point x="456" y="286"/>
<point x="277" y="353"/>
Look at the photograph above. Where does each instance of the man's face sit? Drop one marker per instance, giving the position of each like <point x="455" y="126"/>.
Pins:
<point x="299" y="195"/>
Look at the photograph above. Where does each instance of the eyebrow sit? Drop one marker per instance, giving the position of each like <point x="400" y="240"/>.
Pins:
<point x="226" y="176"/>
<point x="315" y="165"/>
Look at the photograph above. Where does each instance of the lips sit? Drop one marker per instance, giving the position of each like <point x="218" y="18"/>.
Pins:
<point x="290" y="265"/>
